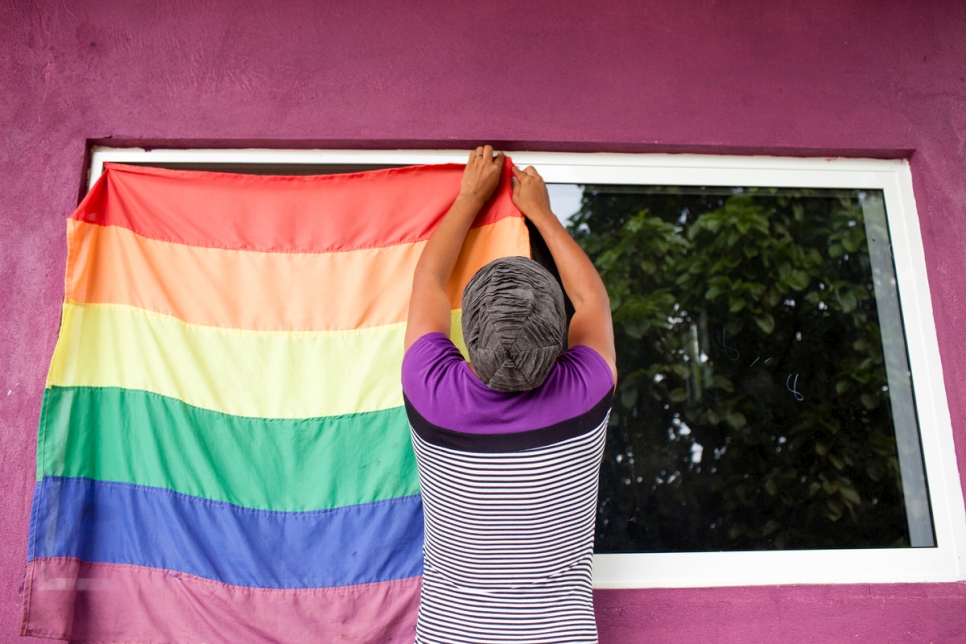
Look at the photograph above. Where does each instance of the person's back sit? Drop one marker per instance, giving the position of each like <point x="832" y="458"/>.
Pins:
<point x="509" y="485"/>
<point x="509" y="449"/>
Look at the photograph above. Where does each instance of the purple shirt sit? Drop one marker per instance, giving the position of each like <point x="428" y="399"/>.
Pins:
<point x="439" y="384"/>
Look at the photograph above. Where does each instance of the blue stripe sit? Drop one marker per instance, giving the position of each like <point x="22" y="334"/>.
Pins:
<point x="147" y="526"/>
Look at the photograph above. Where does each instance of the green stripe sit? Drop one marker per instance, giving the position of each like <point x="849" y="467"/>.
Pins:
<point x="138" y="437"/>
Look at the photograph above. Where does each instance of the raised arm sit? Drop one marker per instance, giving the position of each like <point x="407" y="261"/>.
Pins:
<point x="429" y="306"/>
<point x="591" y="324"/>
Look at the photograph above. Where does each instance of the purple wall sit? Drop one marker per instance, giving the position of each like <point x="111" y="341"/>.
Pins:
<point x="827" y="77"/>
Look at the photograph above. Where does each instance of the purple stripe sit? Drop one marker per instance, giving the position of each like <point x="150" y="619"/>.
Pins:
<point x="78" y="600"/>
<point x="440" y="385"/>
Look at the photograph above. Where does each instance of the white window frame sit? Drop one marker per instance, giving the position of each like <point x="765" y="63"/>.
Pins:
<point x="943" y="563"/>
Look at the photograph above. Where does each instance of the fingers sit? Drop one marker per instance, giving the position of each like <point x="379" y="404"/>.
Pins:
<point x="530" y="193"/>
<point x="482" y="173"/>
<point x="525" y="175"/>
<point x="485" y="153"/>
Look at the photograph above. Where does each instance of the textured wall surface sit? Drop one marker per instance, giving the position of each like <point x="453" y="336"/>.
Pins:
<point x="828" y="77"/>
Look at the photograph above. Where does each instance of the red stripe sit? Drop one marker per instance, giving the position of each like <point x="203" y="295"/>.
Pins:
<point x="71" y="599"/>
<point x="287" y="214"/>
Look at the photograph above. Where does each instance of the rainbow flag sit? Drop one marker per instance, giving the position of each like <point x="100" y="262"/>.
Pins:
<point x="223" y="454"/>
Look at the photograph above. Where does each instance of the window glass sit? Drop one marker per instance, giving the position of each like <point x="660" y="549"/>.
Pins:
<point x="765" y="400"/>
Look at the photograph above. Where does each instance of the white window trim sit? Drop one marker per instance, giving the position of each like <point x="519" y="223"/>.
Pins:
<point x="943" y="563"/>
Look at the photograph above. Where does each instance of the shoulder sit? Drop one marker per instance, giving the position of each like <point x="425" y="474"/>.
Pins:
<point x="582" y="368"/>
<point x="580" y="385"/>
<point x="430" y="351"/>
<point x="440" y="389"/>
<point x="430" y="358"/>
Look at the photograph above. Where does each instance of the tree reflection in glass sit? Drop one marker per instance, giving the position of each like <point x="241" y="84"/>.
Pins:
<point x="753" y="408"/>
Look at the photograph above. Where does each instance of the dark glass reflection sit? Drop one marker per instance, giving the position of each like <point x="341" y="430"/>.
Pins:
<point x="753" y="409"/>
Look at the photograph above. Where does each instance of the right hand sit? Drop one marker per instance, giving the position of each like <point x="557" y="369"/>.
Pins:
<point x="530" y="193"/>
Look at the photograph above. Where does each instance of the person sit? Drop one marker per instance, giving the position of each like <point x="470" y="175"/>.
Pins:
<point x="508" y="446"/>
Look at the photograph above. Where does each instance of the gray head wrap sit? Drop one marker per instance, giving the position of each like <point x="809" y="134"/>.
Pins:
<point x="513" y="323"/>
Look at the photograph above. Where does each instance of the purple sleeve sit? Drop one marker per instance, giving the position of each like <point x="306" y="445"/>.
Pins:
<point x="427" y="363"/>
<point x="440" y="386"/>
<point x="591" y="365"/>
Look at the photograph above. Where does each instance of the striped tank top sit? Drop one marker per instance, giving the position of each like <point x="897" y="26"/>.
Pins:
<point x="509" y="488"/>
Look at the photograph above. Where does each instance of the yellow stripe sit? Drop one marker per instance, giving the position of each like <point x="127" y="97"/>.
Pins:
<point x="277" y="374"/>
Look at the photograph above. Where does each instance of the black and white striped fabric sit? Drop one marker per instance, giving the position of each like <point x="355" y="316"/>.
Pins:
<point x="509" y="537"/>
<point x="509" y="486"/>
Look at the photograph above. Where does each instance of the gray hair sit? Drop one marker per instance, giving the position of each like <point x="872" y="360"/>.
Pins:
<point x="514" y="323"/>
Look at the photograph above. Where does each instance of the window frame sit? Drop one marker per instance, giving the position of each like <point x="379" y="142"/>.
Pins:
<point x="942" y="563"/>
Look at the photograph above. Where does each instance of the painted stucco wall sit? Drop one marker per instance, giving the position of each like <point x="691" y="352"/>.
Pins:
<point x="824" y="77"/>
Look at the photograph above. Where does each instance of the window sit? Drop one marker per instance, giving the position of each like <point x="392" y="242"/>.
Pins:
<point x="781" y="414"/>
<point x="758" y="335"/>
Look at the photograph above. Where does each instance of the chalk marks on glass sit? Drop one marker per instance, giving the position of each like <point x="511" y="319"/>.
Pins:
<point x="731" y="352"/>
<point x="791" y="382"/>
<point x="792" y="386"/>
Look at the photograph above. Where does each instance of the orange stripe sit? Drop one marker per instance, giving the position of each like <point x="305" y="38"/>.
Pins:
<point x="261" y="290"/>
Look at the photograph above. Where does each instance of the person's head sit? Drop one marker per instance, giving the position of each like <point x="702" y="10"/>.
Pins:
<point x="514" y="323"/>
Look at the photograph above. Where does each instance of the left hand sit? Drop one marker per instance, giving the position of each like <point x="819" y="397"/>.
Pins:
<point x="482" y="174"/>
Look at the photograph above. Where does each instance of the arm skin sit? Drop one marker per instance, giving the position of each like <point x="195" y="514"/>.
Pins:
<point x="591" y="324"/>
<point x="429" y="306"/>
